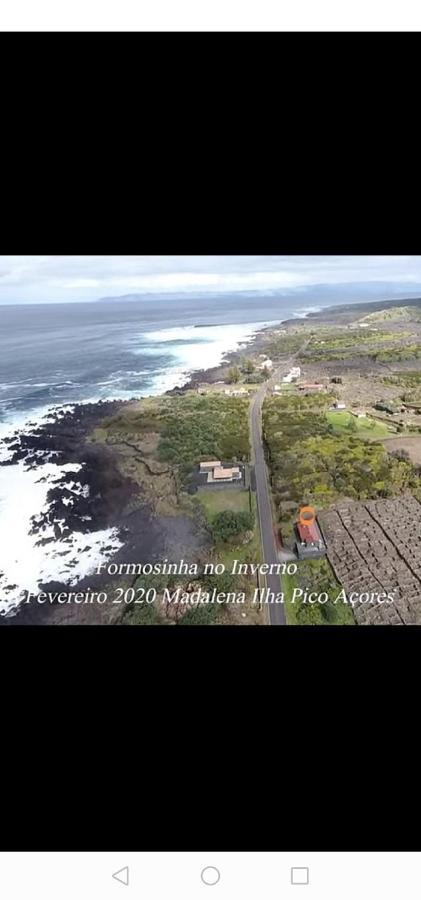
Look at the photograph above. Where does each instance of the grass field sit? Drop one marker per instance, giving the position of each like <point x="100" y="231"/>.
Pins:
<point x="342" y="420"/>
<point x="213" y="503"/>
<point x="238" y="501"/>
<point x="252" y="551"/>
<point x="217" y="501"/>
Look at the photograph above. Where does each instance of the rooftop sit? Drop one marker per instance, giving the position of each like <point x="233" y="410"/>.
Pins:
<point x="211" y="464"/>
<point x="309" y="533"/>
<point x="219" y="473"/>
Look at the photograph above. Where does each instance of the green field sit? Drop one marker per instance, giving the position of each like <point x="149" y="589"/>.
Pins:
<point x="227" y="551"/>
<point x="186" y="429"/>
<point x="311" y="464"/>
<point x="217" y="501"/>
<point x="344" y="422"/>
<point x="317" y="576"/>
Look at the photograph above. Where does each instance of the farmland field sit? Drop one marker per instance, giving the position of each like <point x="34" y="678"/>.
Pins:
<point x="343" y="422"/>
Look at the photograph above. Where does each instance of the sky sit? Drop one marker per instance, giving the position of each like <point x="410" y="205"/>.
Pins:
<point x="49" y="279"/>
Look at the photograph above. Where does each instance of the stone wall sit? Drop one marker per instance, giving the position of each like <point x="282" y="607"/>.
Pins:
<point x="375" y="546"/>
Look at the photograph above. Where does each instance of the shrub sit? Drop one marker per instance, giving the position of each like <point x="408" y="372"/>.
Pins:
<point x="222" y="583"/>
<point x="227" y="524"/>
<point x="310" y="614"/>
<point x="234" y="375"/>
<point x="203" y="614"/>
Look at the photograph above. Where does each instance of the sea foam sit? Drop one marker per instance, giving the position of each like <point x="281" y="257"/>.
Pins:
<point x="25" y="563"/>
<point x="193" y="349"/>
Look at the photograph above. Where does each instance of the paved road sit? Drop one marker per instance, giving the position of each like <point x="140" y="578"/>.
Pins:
<point x="270" y="552"/>
<point x="267" y="525"/>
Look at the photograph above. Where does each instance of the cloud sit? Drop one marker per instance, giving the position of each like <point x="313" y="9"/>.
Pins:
<point x="26" y="279"/>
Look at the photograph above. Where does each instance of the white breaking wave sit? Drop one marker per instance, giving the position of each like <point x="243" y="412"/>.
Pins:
<point x="25" y="563"/>
<point x="305" y="311"/>
<point x="194" y="349"/>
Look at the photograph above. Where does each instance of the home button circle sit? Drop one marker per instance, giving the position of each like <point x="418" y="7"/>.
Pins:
<point x="210" y="875"/>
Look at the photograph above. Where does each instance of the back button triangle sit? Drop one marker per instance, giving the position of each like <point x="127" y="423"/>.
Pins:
<point x="122" y="875"/>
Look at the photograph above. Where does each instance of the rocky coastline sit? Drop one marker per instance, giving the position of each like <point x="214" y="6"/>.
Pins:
<point x="105" y="499"/>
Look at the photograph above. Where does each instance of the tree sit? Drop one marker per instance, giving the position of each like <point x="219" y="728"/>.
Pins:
<point x="254" y="379"/>
<point x="248" y="366"/>
<point x="234" y="375"/>
<point x="229" y="523"/>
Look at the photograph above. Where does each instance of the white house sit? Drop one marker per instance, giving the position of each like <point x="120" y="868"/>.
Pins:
<point x="266" y="364"/>
<point x="293" y="374"/>
<point x="236" y="392"/>
<point x="210" y="464"/>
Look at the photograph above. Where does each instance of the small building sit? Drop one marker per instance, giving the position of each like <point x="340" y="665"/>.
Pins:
<point x="222" y="476"/>
<point x="311" y="388"/>
<point x="339" y="405"/>
<point x="309" y="543"/>
<point x="225" y="474"/>
<point x="208" y="466"/>
<point x="266" y="364"/>
<point x="236" y="392"/>
<point x="293" y="374"/>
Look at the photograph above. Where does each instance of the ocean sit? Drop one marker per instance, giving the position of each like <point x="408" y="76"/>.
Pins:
<point x="55" y="354"/>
